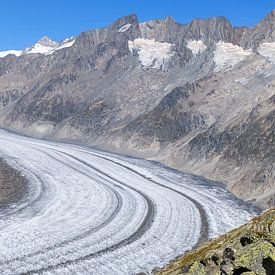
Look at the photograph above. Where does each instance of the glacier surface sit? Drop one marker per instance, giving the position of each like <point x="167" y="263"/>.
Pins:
<point x="93" y="212"/>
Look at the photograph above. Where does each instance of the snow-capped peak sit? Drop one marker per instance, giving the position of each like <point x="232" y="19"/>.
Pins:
<point x="47" y="46"/>
<point x="48" y="42"/>
<point x="44" y="46"/>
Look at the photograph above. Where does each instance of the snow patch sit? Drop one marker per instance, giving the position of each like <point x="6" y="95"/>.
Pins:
<point x="151" y="53"/>
<point x="38" y="48"/>
<point x="268" y="50"/>
<point x="196" y="46"/>
<point x="124" y="28"/>
<point x="43" y="46"/>
<point x="227" y="55"/>
<point x="67" y="43"/>
<point x="14" y="52"/>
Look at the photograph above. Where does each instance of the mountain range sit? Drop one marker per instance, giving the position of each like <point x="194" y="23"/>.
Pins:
<point x="199" y="97"/>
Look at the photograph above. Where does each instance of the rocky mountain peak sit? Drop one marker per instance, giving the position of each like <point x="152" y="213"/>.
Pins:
<point x="131" y="19"/>
<point x="270" y="16"/>
<point x="269" y="24"/>
<point x="169" y="20"/>
<point x="127" y="26"/>
<point x="48" y="42"/>
<point x="117" y="34"/>
<point x="210" y="30"/>
<point x="43" y="46"/>
<point x="262" y="32"/>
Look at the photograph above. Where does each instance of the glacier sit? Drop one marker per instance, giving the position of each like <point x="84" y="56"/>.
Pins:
<point x="93" y="212"/>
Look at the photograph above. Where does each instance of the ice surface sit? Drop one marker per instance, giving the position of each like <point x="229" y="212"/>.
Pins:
<point x="39" y="48"/>
<point x="268" y="50"/>
<point x="88" y="210"/>
<point x="152" y="54"/>
<point x="227" y="55"/>
<point x="124" y="28"/>
<point x="196" y="46"/>
<point x="5" y="53"/>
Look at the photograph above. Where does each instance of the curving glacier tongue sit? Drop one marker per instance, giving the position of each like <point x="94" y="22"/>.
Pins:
<point x="88" y="211"/>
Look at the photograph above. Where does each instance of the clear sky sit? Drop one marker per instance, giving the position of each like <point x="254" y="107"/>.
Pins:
<point x="23" y="22"/>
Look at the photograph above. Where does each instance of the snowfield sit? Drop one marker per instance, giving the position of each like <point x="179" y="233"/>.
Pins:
<point x="92" y="212"/>
<point x="196" y="46"/>
<point x="227" y="55"/>
<point x="151" y="53"/>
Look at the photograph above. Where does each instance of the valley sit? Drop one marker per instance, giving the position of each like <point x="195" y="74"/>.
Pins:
<point x="91" y="211"/>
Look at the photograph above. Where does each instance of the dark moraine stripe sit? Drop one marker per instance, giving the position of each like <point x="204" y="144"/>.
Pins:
<point x="13" y="185"/>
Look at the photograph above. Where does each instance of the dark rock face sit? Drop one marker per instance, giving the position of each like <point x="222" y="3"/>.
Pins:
<point x="167" y="122"/>
<point x="13" y="185"/>
<point x="9" y="96"/>
<point x="210" y="30"/>
<point x="179" y="93"/>
<point x="263" y="32"/>
<point x="102" y="91"/>
<point x="269" y="266"/>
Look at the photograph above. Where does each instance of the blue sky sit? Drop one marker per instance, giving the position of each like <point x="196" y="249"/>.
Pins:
<point x="23" y="22"/>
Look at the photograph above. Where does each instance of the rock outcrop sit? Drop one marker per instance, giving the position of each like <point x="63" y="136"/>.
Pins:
<point x="13" y="185"/>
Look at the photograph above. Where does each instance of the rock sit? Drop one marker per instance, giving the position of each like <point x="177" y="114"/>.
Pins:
<point x="245" y="240"/>
<point x="227" y="256"/>
<point x="251" y="256"/>
<point x="226" y="267"/>
<point x="269" y="265"/>
<point x="197" y="269"/>
<point x="272" y="228"/>
<point x="228" y="253"/>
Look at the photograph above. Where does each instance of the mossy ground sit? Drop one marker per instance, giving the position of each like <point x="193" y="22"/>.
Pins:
<point x="249" y="249"/>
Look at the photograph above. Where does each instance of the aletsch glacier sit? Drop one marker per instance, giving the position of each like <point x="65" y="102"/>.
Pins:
<point x="192" y="96"/>
<point x="93" y="212"/>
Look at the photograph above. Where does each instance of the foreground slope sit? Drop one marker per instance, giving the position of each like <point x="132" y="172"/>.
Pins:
<point x="198" y="96"/>
<point x="87" y="211"/>
<point x="248" y="249"/>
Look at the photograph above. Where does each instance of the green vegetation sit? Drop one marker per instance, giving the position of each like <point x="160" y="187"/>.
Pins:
<point x="249" y="249"/>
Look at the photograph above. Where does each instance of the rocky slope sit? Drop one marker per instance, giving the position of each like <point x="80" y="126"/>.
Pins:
<point x="249" y="249"/>
<point x="13" y="185"/>
<point x="198" y="96"/>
